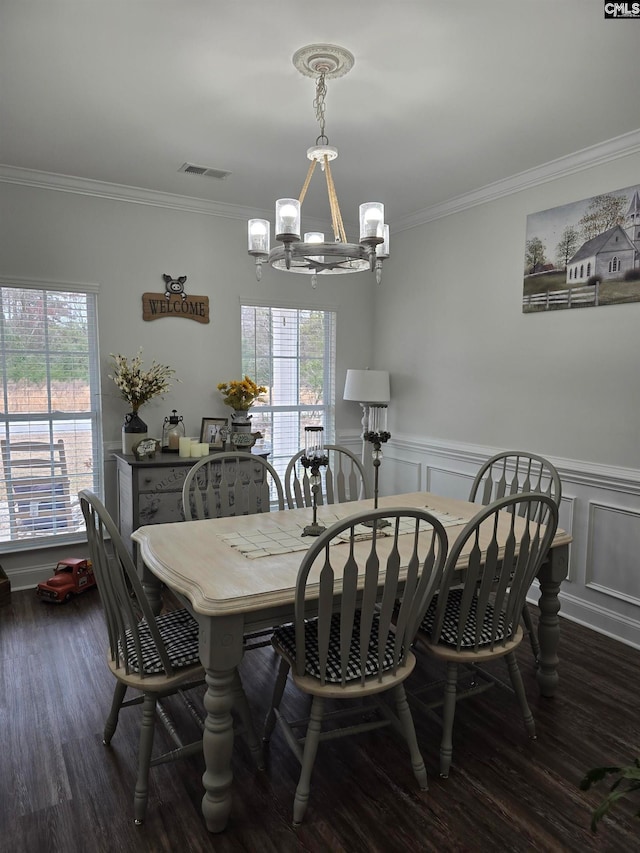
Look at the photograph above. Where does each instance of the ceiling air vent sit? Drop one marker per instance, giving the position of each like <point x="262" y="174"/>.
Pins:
<point x="205" y="171"/>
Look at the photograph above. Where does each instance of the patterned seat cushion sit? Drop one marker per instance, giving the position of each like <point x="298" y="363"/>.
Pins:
<point x="179" y="632"/>
<point x="449" y="634"/>
<point x="286" y="638"/>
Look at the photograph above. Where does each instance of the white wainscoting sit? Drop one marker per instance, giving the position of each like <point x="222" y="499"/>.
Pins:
<point x="600" y="507"/>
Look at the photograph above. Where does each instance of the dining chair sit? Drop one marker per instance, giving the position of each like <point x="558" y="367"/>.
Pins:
<point x="469" y="624"/>
<point x="228" y="484"/>
<point x="358" y="604"/>
<point x="155" y="655"/>
<point x="513" y="472"/>
<point x="343" y="479"/>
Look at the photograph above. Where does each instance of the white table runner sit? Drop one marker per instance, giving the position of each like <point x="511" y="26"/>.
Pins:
<point x="285" y="539"/>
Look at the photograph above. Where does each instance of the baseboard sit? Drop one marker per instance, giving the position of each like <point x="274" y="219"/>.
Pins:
<point x="600" y="619"/>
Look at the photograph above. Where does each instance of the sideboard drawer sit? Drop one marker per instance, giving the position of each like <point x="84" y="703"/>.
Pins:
<point x="161" y="479"/>
<point x="160" y="508"/>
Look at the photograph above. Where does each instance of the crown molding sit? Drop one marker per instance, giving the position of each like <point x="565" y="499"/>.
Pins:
<point x="134" y="195"/>
<point x="120" y="192"/>
<point x="587" y="158"/>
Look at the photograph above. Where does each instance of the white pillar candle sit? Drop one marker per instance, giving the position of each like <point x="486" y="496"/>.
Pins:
<point x="184" y="447"/>
<point x="204" y="449"/>
<point x="195" y="449"/>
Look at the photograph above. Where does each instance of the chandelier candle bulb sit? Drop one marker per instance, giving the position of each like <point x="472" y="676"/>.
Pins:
<point x="372" y="220"/>
<point x="314" y="237"/>
<point x="382" y="249"/>
<point x="259" y="236"/>
<point x="287" y="219"/>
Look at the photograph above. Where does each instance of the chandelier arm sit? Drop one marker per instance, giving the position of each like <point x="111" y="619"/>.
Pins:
<point x="307" y="181"/>
<point x="332" y="200"/>
<point x="336" y="215"/>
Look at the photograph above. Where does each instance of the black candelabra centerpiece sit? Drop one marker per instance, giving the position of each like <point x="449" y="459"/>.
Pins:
<point x="313" y="458"/>
<point x="376" y="433"/>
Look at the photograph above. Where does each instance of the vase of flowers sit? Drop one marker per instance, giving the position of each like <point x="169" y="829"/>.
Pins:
<point x="240" y="395"/>
<point x="137" y="387"/>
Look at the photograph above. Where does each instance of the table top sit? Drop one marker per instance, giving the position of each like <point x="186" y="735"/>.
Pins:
<point x="194" y="558"/>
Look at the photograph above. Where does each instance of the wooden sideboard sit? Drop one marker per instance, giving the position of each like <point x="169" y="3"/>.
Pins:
<point x="150" y="491"/>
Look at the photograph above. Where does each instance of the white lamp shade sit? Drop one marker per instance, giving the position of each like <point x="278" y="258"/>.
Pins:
<point x="367" y="386"/>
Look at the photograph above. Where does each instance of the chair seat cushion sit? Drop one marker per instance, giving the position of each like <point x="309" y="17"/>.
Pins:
<point x="179" y="632"/>
<point x="449" y="633"/>
<point x="286" y="638"/>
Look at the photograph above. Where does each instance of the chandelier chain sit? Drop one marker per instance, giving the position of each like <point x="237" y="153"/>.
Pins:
<point x="319" y="106"/>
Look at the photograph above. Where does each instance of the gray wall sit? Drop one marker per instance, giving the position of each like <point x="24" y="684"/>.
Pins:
<point x="472" y="375"/>
<point x="472" y="367"/>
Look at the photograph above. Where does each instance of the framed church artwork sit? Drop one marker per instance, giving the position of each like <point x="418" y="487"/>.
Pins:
<point x="584" y="254"/>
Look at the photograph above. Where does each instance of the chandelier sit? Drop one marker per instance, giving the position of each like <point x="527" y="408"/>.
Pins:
<point x="312" y="255"/>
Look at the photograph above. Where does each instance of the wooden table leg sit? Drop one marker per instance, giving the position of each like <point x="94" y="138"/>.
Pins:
<point x="217" y="742"/>
<point x="551" y="575"/>
<point x="220" y="652"/>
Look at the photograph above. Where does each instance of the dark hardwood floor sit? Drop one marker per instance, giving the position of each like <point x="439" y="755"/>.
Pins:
<point x="62" y="790"/>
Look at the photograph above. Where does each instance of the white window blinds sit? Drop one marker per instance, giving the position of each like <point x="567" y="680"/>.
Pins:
<point x="50" y="439"/>
<point x="291" y="351"/>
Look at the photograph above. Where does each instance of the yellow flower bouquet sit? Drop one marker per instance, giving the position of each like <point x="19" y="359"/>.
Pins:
<point x="241" y="394"/>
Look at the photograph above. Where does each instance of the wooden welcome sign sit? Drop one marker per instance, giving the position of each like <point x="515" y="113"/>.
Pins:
<point x="174" y="302"/>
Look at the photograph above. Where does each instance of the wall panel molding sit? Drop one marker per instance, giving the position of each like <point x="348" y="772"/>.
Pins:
<point x="592" y="474"/>
<point x="600" y="507"/>
<point x="612" y="548"/>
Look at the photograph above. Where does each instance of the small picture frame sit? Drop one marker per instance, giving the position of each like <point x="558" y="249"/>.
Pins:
<point x="214" y="432"/>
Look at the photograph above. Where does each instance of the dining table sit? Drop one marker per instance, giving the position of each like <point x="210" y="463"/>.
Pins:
<point x="238" y="575"/>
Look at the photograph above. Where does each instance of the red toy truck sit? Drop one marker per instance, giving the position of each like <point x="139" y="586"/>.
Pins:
<point x="72" y="576"/>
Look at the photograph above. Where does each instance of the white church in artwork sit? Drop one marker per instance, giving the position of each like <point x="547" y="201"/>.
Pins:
<point x="610" y="254"/>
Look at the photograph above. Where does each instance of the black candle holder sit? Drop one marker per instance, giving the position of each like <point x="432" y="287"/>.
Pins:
<point x="314" y="464"/>
<point x="377" y="439"/>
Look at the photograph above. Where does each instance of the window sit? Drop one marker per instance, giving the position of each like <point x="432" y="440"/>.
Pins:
<point x="291" y="352"/>
<point x="50" y="437"/>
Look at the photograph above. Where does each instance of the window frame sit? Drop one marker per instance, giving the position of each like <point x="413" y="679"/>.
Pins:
<point x="50" y="417"/>
<point x="326" y="410"/>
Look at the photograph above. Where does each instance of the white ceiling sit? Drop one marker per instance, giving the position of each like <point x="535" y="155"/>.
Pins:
<point x="444" y="98"/>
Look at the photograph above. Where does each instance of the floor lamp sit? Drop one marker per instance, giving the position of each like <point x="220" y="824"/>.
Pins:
<point x="371" y="389"/>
